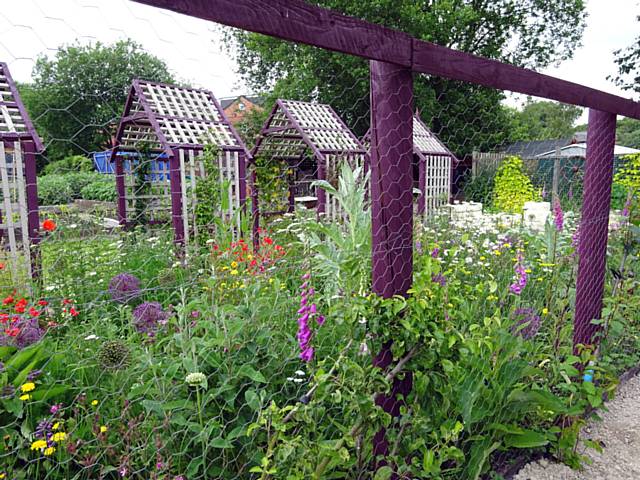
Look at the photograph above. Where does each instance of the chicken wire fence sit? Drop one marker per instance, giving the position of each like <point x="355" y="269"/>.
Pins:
<point x="150" y="329"/>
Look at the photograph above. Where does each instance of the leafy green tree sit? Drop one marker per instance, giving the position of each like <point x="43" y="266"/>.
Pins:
<point x="628" y="62"/>
<point x="76" y="98"/>
<point x="543" y="120"/>
<point x="524" y="32"/>
<point x="628" y="132"/>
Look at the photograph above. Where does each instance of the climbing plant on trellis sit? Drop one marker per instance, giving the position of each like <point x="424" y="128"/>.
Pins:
<point x="169" y="127"/>
<point x="19" y="144"/>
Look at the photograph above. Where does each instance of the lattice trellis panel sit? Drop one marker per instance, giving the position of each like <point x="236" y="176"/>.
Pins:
<point x="14" y="211"/>
<point x="437" y="188"/>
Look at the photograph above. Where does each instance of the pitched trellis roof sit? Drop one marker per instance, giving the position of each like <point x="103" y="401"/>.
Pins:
<point x="170" y="117"/>
<point x="15" y="123"/>
<point x="294" y="126"/>
<point x="425" y="142"/>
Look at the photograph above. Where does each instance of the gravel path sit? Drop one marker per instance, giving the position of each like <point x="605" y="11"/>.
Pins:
<point x="619" y="432"/>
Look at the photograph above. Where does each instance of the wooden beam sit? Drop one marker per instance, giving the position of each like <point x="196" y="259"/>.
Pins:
<point x="297" y="21"/>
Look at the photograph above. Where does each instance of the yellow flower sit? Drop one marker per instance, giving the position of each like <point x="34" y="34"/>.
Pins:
<point x="250" y="257"/>
<point x="94" y="402"/>
<point x="2" y="475"/>
<point x="497" y="253"/>
<point x="507" y="245"/>
<point x="59" y="437"/>
<point x="271" y="280"/>
<point x="528" y="270"/>
<point x="49" y="451"/>
<point x="234" y="264"/>
<point x="25" y="397"/>
<point x="39" y="445"/>
<point x="55" y="426"/>
<point x="545" y="311"/>
<point x="483" y="258"/>
<point x="28" y="387"/>
<point x="234" y="272"/>
<point x="103" y="429"/>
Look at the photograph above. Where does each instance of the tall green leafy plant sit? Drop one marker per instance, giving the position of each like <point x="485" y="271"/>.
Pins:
<point x="512" y="186"/>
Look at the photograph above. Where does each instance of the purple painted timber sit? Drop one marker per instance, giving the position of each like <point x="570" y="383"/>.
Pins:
<point x="391" y="156"/>
<point x="175" y="185"/>
<point x="255" y="211"/>
<point x="121" y="190"/>
<point x="391" y="178"/>
<point x="297" y="21"/>
<point x="33" y="218"/>
<point x="594" y="224"/>
<point x="23" y="111"/>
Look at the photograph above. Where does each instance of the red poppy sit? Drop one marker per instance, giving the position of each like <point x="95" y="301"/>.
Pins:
<point x="48" y="225"/>
<point x="43" y="303"/>
<point x="33" y="312"/>
<point x="12" y="332"/>
<point x="8" y="300"/>
<point x="73" y="312"/>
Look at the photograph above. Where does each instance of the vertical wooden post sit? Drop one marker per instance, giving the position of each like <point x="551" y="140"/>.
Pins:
<point x="255" y="209"/>
<point x="320" y="193"/>
<point x="594" y="225"/>
<point x="422" y="184"/>
<point x="121" y="190"/>
<point x="556" y="175"/>
<point x="33" y="217"/>
<point x="292" y="194"/>
<point x="175" y="185"/>
<point x="391" y="205"/>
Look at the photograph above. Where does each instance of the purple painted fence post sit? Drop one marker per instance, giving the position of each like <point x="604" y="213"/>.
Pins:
<point x="391" y="205"/>
<point x="120" y="188"/>
<point x="175" y="185"/>
<point x="594" y="225"/>
<point x="33" y="217"/>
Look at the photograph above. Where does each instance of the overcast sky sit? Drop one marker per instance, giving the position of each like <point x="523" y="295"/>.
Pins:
<point x="193" y="50"/>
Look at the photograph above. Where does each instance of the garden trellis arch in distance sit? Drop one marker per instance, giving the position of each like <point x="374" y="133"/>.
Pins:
<point x="19" y="143"/>
<point x="294" y="129"/>
<point x="433" y="165"/>
<point x="177" y="122"/>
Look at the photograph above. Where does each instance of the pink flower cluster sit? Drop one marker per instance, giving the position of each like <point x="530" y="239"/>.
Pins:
<point x="307" y="312"/>
<point x="520" y="278"/>
<point x="558" y="215"/>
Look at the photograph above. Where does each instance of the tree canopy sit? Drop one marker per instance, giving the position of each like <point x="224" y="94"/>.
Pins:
<point x="628" y="62"/>
<point x="76" y="98"/>
<point x="523" y="32"/>
<point x="541" y="120"/>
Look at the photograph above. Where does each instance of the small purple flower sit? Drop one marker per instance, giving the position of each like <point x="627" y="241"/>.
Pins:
<point x="544" y="191"/>
<point x="527" y="323"/>
<point x="419" y="247"/>
<point x="55" y="408"/>
<point x="195" y="314"/>
<point x="124" y="287"/>
<point x="33" y="374"/>
<point x="7" y="391"/>
<point x="570" y="193"/>
<point x="627" y="207"/>
<point x="148" y="317"/>
<point x="435" y="252"/>
<point x="440" y="279"/>
<point x="44" y="429"/>
<point x="558" y="215"/>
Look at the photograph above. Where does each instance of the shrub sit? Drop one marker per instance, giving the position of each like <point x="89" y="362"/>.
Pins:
<point x="512" y="186"/>
<point x="74" y="163"/>
<point x="58" y="189"/>
<point x="103" y="190"/>
<point x="479" y="188"/>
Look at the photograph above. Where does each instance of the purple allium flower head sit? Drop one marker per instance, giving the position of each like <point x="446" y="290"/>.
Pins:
<point x="124" y="287"/>
<point x="527" y="323"/>
<point x="558" y="215"/>
<point x="148" y="317"/>
<point x="30" y="332"/>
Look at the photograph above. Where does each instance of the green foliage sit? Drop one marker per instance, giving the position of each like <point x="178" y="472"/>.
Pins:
<point x="512" y="186"/>
<point x="76" y="98"/>
<point x="59" y="189"/>
<point x="103" y="190"/>
<point x="628" y="132"/>
<point x="271" y="180"/>
<point x="74" y="163"/>
<point x="528" y="33"/>
<point x="479" y="188"/>
<point x="541" y="120"/>
<point x="628" y="63"/>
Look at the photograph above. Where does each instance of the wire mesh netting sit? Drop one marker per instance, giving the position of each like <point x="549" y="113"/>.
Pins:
<point x="352" y="271"/>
